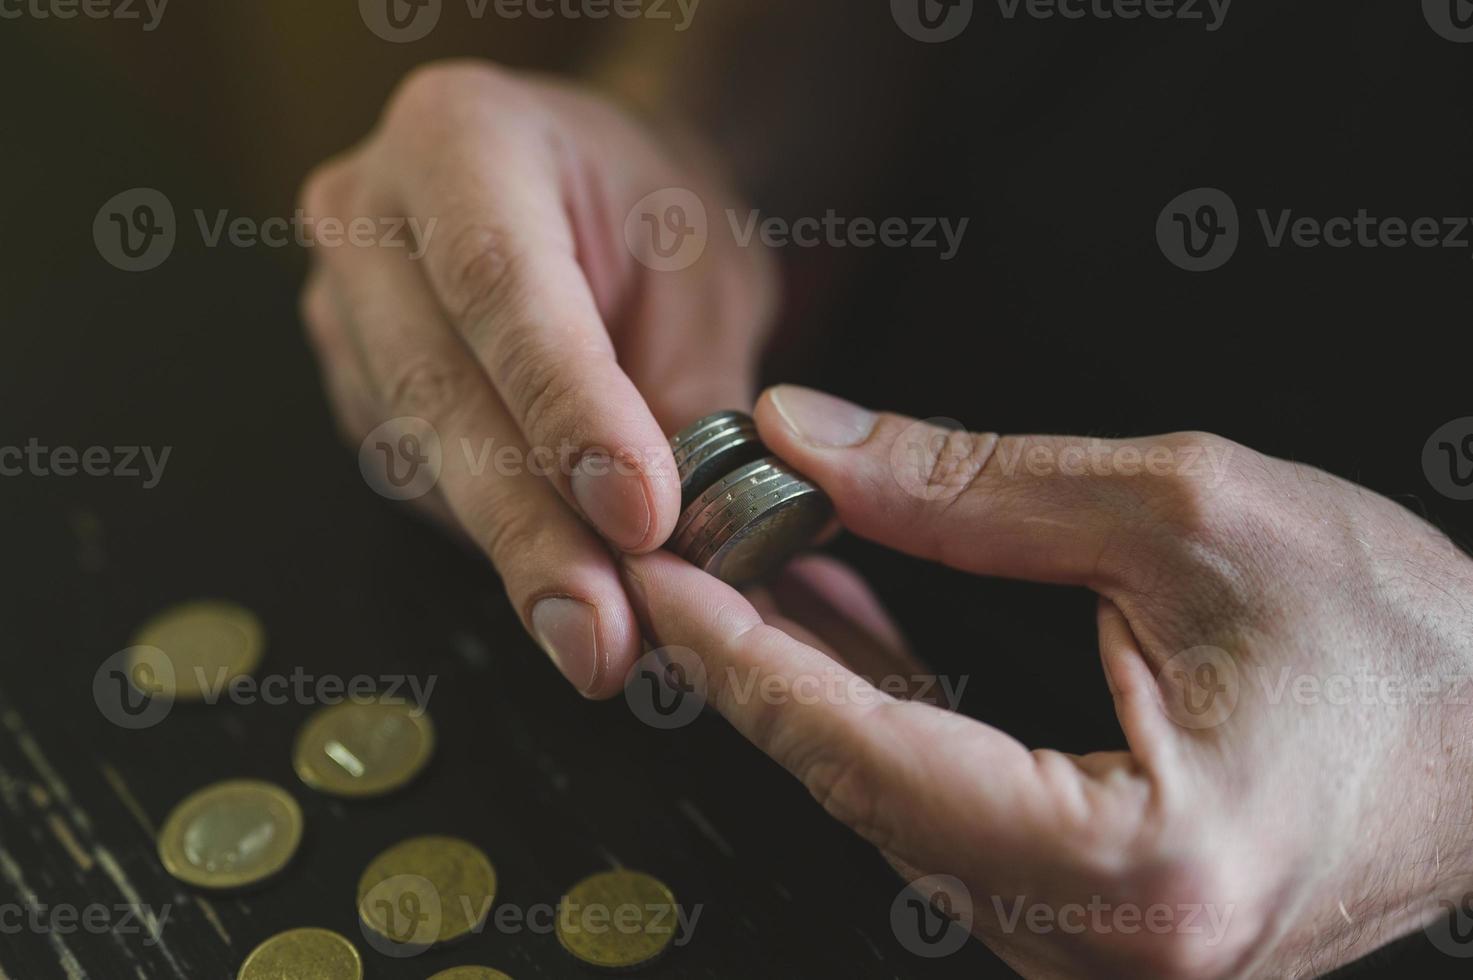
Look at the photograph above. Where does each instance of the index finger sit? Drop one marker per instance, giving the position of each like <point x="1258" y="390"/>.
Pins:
<point x="510" y="262"/>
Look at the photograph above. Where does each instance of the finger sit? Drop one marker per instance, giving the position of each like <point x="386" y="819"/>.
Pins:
<point x="354" y="402"/>
<point x="888" y="768"/>
<point x="504" y="262"/>
<point x="834" y="603"/>
<point x="348" y="393"/>
<point x="794" y="614"/>
<point x="705" y="326"/>
<point x="559" y="575"/>
<point x="766" y="606"/>
<point x="1033" y="507"/>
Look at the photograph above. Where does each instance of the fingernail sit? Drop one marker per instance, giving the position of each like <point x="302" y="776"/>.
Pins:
<point x="613" y="497"/>
<point x="568" y="631"/>
<point x="822" y="420"/>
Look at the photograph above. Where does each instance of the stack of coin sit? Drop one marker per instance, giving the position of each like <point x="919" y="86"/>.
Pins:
<point x="745" y="512"/>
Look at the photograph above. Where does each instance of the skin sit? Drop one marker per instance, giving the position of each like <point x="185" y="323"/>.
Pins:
<point x="1280" y="569"/>
<point x="529" y="324"/>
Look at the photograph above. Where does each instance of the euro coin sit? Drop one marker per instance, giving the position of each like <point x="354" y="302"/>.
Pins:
<point x="206" y="645"/>
<point x="363" y="748"/>
<point x="617" y="920"/>
<point x="744" y="513"/>
<point x="751" y="522"/>
<point x="303" y="954"/>
<point x="470" y="973"/>
<point x="426" y="890"/>
<point x="707" y="450"/>
<point x="231" y="834"/>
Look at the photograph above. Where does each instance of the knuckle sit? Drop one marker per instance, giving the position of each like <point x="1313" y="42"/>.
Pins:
<point x="429" y="388"/>
<point x="836" y="783"/>
<point x="1197" y="494"/>
<point x="329" y="189"/>
<point x="936" y="463"/>
<point x="433" y="86"/>
<point x="510" y="533"/>
<point x="455" y="101"/>
<point x="839" y="782"/>
<point x="1203" y="511"/>
<point x="481" y="271"/>
<point x="960" y="463"/>
<point x="542" y="392"/>
<point x="320" y="319"/>
<point x="730" y="698"/>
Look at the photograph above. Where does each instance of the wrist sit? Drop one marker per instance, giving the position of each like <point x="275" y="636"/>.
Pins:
<point x="1418" y="864"/>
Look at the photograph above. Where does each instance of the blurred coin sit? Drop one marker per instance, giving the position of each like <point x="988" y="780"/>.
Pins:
<point x="707" y="450"/>
<point x="231" y="834"/>
<point x="617" y="920"/>
<point x="443" y="874"/>
<point x="303" y="954"/>
<point x="208" y="645"/>
<point x="751" y="522"/>
<point x="470" y="973"/>
<point x="363" y="748"/>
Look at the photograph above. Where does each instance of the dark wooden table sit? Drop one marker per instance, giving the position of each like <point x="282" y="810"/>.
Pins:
<point x="261" y="505"/>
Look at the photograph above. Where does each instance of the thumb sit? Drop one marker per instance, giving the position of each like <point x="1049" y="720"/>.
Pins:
<point x="1060" y="509"/>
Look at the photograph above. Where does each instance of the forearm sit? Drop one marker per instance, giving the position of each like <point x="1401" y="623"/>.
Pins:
<point x="1408" y="860"/>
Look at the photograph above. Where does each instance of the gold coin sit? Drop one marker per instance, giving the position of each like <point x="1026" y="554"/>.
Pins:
<point x="364" y="748"/>
<point x="617" y="920"/>
<point x="231" y="834"/>
<point x="201" y="646"/>
<point x="303" y="954"/>
<point x="427" y="890"/>
<point x="470" y="973"/>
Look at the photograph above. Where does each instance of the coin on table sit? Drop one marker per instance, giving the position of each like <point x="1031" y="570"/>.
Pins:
<point x="751" y="522"/>
<point x="206" y="646"/>
<point x="712" y="447"/>
<point x="364" y="748"/>
<point x="231" y="834"/>
<point x="427" y="890"/>
<point x="617" y="920"/>
<point x="303" y="954"/>
<point x="470" y="973"/>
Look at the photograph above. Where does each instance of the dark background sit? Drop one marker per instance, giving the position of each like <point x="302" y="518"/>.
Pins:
<point x="1062" y="142"/>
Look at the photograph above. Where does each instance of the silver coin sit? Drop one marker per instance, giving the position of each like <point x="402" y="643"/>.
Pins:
<point x="701" y="428"/>
<point x="707" y="450"/>
<point x="734" y="493"/>
<point x="751" y="522"/>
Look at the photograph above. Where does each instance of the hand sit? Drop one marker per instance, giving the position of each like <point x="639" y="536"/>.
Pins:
<point x="520" y="322"/>
<point x="1288" y="655"/>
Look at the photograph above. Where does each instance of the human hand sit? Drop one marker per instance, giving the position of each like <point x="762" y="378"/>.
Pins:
<point x="522" y="322"/>
<point x="1297" y="821"/>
